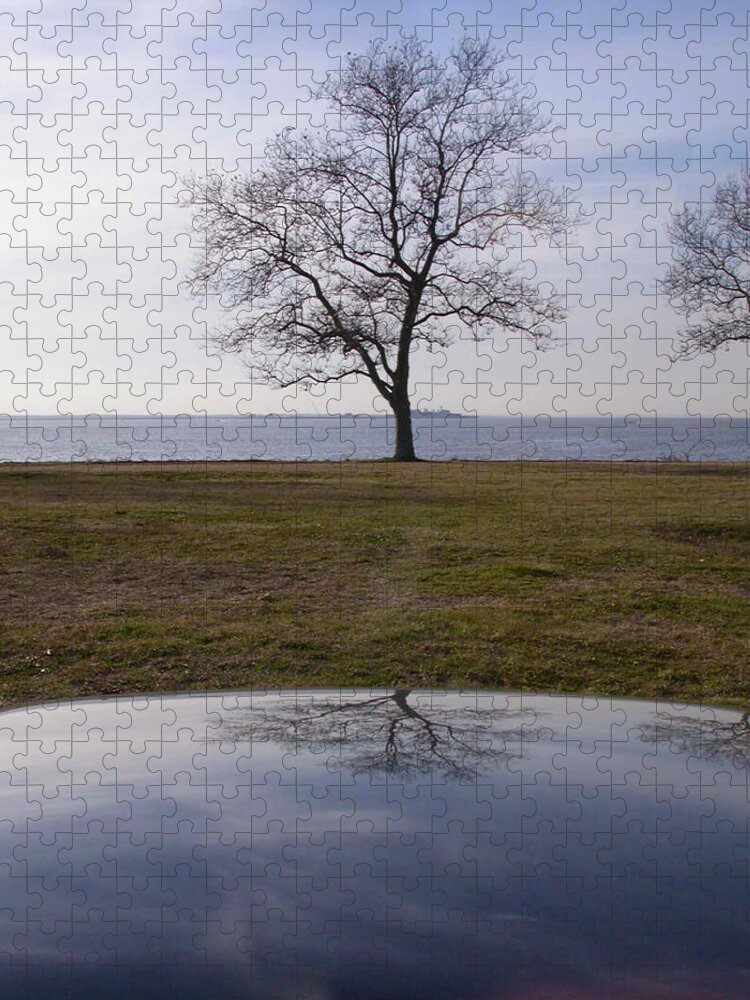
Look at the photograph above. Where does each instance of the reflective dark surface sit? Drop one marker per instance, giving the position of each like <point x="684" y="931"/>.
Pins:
<point x="374" y="844"/>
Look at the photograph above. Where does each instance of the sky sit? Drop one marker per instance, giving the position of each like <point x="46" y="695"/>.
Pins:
<point x="108" y="105"/>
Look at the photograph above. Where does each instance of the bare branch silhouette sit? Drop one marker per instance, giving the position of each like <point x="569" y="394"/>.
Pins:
<point x="709" y="278"/>
<point x="396" y="733"/>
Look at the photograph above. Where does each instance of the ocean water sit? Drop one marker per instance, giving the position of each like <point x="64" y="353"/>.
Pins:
<point x="299" y="437"/>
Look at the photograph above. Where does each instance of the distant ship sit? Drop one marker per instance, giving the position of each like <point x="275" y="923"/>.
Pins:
<point x="434" y="413"/>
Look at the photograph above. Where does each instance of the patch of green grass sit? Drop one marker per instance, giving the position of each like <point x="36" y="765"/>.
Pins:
<point x="482" y="580"/>
<point x="627" y="579"/>
<point x="695" y="532"/>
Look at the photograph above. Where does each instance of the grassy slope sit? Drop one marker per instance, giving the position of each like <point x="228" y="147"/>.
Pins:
<point x="627" y="579"/>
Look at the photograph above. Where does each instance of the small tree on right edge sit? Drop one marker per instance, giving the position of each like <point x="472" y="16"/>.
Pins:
<point x="708" y="280"/>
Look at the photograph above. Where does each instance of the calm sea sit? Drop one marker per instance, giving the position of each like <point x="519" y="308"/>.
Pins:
<point x="304" y="438"/>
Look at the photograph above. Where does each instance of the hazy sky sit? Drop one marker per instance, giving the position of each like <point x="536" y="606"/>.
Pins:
<point x="107" y="104"/>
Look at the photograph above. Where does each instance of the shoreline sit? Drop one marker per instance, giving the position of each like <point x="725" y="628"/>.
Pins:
<point x="660" y="462"/>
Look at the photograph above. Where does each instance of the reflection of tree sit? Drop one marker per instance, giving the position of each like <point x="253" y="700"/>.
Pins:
<point x="394" y="732"/>
<point x="711" y="739"/>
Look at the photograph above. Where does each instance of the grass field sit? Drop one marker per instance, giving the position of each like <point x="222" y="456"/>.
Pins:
<point x="621" y="579"/>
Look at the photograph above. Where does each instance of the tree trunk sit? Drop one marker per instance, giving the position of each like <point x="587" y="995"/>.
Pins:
<point x="404" y="450"/>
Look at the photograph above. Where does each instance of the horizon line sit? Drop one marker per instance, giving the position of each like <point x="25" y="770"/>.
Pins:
<point x="358" y="413"/>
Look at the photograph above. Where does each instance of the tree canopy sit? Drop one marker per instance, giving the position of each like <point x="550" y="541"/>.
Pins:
<point x="708" y="280"/>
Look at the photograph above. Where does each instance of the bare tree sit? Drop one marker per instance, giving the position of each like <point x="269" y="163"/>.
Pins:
<point x="709" y="277"/>
<point x="355" y="243"/>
